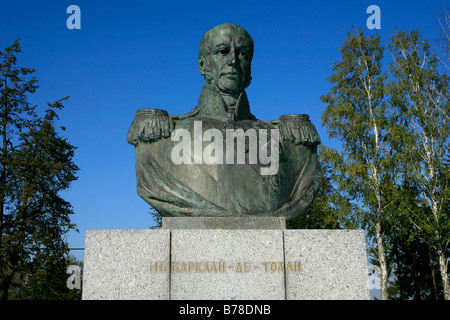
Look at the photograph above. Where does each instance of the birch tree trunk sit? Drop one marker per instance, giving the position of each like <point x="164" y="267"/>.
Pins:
<point x="356" y="115"/>
<point x="443" y="267"/>
<point x="383" y="263"/>
<point x="419" y="93"/>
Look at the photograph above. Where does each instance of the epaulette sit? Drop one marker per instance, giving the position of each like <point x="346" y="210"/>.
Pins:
<point x="150" y="125"/>
<point x="298" y="129"/>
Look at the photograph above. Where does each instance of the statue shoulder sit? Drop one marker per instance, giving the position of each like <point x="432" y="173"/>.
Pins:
<point x="298" y="129"/>
<point x="150" y="125"/>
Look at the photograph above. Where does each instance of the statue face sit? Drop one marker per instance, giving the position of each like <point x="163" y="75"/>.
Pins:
<point x="230" y="60"/>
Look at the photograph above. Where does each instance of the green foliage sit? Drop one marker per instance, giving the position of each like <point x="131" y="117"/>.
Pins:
<point x="394" y="160"/>
<point x="329" y="210"/>
<point x="46" y="280"/>
<point x="36" y="163"/>
<point x="420" y="138"/>
<point x="157" y="219"/>
<point x="356" y="115"/>
<point x="420" y="131"/>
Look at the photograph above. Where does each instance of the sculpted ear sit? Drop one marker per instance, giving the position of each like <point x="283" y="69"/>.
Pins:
<point x="205" y="70"/>
<point x="202" y="66"/>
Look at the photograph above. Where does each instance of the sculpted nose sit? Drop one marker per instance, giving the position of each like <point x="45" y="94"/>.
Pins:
<point x="233" y="58"/>
<point x="231" y="61"/>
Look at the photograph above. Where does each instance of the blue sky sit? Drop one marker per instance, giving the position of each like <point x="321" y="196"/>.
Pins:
<point x="143" y="54"/>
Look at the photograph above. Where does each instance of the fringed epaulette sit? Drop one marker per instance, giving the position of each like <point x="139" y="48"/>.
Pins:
<point x="150" y="125"/>
<point x="298" y="129"/>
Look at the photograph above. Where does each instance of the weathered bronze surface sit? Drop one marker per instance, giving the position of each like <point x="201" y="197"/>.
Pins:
<point x="200" y="186"/>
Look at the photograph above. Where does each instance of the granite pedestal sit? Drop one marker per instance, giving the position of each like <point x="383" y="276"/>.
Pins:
<point x="225" y="259"/>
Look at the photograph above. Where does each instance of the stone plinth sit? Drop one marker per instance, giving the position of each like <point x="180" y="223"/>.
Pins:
<point x="240" y="257"/>
<point x="266" y="262"/>
<point x="117" y="262"/>
<point x="334" y="264"/>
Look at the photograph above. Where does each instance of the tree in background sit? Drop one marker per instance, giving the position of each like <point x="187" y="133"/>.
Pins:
<point x="412" y="259"/>
<point x="46" y="281"/>
<point x="329" y="210"/>
<point x="36" y="163"/>
<point x="420" y="136"/>
<point x="356" y="115"/>
<point x="157" y="219"/>
<point x="394" y="162"/>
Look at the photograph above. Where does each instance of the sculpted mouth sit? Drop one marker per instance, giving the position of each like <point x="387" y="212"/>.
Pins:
<point x="231" y="73"/>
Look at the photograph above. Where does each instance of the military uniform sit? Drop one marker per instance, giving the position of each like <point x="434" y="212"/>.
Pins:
<point x="219" y="190"/>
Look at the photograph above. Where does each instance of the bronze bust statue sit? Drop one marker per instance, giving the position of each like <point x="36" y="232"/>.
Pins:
<point x="219" y="160"/>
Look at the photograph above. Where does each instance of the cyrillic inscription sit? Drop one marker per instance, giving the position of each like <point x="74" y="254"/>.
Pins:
<point x="222" y="266"/>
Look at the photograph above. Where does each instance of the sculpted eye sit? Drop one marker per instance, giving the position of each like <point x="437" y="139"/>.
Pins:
<point x="244" y="54"/>
<point x="222" y="50"/>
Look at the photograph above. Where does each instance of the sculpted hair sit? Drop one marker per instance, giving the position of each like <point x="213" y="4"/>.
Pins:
<point x="205" y="43"/>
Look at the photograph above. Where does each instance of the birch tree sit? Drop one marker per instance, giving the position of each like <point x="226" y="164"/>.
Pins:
<point x="420" y="135"/>
<point x="356" y="116"/>
<point x="444" y="45"/>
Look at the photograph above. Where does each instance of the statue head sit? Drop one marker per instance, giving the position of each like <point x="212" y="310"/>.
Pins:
<point x="225" y="57"/>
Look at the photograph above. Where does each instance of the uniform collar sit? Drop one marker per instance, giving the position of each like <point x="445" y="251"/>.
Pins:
<point x="211" y="105"/>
